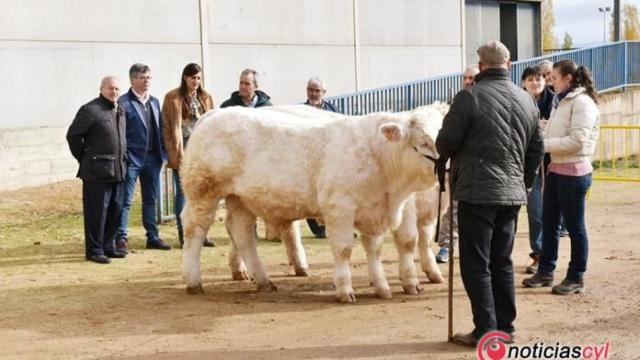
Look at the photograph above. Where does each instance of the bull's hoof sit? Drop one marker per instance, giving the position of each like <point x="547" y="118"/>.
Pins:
<point x="195" y="290"/>
<point x="268" y="287"/>
<point x="383" y="293"/>
<point x="435" y="278"/>
<point x="346" y="298"/>
<point x="304" y="272"/>
<point x="239" y="275"/>
<point x="411" y="289"/>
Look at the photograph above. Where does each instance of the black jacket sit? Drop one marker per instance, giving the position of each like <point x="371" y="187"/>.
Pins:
<point x="236" y="100"/>
<point x="545" y="103"/>
<point x="97" y="139"/>
<point x="491" y="134"/>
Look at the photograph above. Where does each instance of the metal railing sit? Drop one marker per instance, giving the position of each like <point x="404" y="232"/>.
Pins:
<point x="613" y="66"/>
<point x="617" y="155"/>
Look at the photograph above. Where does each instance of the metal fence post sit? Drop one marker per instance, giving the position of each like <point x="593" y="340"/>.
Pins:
<point x="626" y="63"/>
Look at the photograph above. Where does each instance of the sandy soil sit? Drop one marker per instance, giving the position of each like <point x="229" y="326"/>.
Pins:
<point x="55" y="305"/>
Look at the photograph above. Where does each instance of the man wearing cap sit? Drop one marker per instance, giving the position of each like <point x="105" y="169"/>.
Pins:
<point x="491" y="135"/>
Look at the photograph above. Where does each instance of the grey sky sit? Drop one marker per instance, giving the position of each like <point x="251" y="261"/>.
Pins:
<point x="582" y="20"/>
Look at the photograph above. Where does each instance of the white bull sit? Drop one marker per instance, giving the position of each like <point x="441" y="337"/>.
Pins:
<point x="418" y="229"/>
<point x="293" y="162"/>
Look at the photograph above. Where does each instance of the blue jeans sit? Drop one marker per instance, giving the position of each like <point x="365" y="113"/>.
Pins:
<point x="565" y="197"/>
<point x="178" y="202"/>
<point x="149" y="174"/>
<point x="534" y="215"/>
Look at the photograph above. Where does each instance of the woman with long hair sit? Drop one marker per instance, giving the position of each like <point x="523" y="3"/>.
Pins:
<point x="570" y="139"/>
<point x="181" y="110"/>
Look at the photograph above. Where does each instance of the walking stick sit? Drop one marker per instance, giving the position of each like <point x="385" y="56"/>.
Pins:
<point x="441" y="171"/>
<point x="451" y="247"/>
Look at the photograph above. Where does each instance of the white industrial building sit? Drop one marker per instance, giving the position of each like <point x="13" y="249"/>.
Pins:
<point x="54" y="53"/>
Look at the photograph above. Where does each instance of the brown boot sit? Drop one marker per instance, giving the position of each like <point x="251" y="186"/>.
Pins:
<point x="464" y="340"/>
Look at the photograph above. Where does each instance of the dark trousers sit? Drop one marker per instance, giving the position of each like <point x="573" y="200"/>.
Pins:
<point x="486" y="234"/>
<point x="102" y="208"/>
<point x="565" y="198"/>
<point x="317" y="229"/>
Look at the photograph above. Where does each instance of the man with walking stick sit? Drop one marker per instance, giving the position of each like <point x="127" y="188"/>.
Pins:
<point x="491" y="136"/>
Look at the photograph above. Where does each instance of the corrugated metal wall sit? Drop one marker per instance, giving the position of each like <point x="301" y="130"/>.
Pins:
<point x="483" y="23"/>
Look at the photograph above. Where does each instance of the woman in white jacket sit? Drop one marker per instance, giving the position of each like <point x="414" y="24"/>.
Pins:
<point x="570" y="139"/>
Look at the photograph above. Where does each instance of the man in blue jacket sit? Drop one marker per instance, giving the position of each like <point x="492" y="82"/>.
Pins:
<point x="145" y="155"/>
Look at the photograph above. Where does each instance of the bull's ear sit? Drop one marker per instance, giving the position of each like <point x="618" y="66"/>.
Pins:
<point x="392" y="131"/>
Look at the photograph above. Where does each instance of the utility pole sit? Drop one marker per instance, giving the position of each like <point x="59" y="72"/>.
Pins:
<point x="616" y="20"/>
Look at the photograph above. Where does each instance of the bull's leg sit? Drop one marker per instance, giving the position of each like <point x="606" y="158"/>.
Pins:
<point x="373" y="248"/>
<point x="271" y="232"/>
<point x="426" y="233"/>
<point x="238" y="269"/>
<point x="405" y="238"/>
<point x="197" y="217"/>
<point x="289" y="233"/>
<point x="340" y="231"/>
<point x="240" y="224"/>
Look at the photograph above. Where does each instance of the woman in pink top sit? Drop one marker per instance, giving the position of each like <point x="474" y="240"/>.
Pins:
<point x="570" y="138"/>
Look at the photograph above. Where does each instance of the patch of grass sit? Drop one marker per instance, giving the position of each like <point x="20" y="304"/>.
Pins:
<point x="633" y="162"/>
<point x="46" y="224"/>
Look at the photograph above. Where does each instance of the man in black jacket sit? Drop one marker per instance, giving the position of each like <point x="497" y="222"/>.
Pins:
<point x="97" y="139"/>
<point x="491" y="134"/>
<point x="248" y="94"/>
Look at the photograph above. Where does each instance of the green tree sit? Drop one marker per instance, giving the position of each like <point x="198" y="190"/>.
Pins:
<point x="549" y="40"/>
<point x="567" y="43"/>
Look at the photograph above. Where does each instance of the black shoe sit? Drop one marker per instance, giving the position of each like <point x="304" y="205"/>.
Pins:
<point x="512" y="337"/>
<point x="538" y="280"/>
<point x="568" y="287"/>
<point x="100" y="259"/>
<point x="115" y="254"/>
<point x="121" y="246"/>
<point x="464" y="340"/>
<point x="208" y="242"/>
<point x="158" y="245"/>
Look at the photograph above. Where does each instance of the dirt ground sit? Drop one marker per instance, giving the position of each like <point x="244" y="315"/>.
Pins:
<point x="55" y="305"/>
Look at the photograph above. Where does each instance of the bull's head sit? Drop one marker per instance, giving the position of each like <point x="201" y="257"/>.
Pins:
<point x="415" y="155"/>
<point x="418" y="131"/>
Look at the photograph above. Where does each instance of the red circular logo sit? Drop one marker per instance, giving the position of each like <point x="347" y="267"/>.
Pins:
<point x="492" y="346"/>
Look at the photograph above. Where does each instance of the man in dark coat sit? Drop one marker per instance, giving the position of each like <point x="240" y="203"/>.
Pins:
<point x="97" y="139"/>
<point x="491" y="135"/>
<point x="316" y="90"/>
<point x="248" y="94"/>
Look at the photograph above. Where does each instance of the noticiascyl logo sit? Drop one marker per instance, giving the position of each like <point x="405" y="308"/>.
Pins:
<point x="492" y="346"/>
